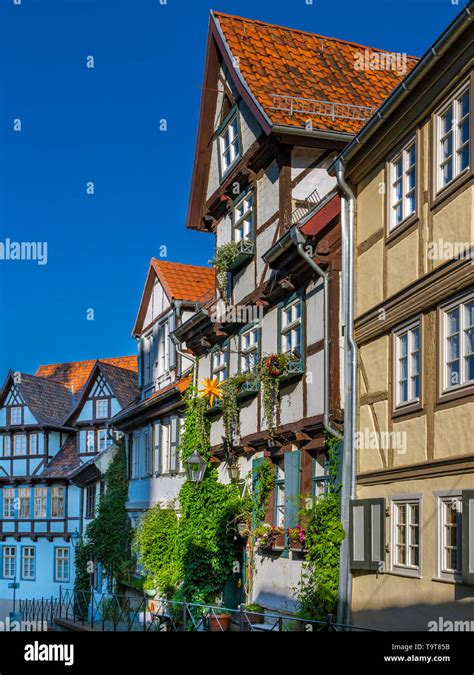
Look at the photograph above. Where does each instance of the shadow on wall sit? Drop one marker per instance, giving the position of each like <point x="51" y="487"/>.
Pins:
<point x="457" y="615"/>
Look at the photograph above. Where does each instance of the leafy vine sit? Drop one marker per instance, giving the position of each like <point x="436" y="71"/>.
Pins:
<point x="222" y="261"/>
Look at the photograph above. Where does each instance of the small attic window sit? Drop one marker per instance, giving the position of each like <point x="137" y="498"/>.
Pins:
<point x="229" y="145"/>
<point x="225" y="107"/>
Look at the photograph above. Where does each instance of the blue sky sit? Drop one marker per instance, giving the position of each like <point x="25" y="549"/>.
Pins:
<point x="80" y="124"/>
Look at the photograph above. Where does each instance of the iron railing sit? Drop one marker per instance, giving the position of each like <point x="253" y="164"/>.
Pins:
<point x="305" y="207"/>
<point x="295" y="105"/>
<point x="104" y="612"/>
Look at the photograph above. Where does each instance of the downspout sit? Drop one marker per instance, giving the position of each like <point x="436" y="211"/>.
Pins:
<point x="177" y="343"/>
<point x="299" y="240"/>
<point x="348" y="490"/>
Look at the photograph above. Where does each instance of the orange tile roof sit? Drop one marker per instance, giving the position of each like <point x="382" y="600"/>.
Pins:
<point x="277" y="60"/>
<point x="184" y="282"/>
<point x="76" y="373"/>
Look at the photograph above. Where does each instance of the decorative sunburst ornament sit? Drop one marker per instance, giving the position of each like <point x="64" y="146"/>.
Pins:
<point x="211" y="389"/>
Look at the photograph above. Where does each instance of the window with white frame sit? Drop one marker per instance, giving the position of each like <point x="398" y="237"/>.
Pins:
<point x="229" y="144"/>
<point x="165" y="446"/>
<point x="220" y="360"/>
<point x="291" y="328"/>
<point x="33" y="444"/>
<point x="458" y="344"/>
<point x="403" y="184"/>
<point x="19" y="444"/>
<point x="6" y="446"/>
<point x="163" y="348"/>
<point x="41" y="499"/>
<point x="28" y="562"/>
<point x="9" y="562"/>
<point x="24" y="496"/>
<point x="449" y="537"/>
<point x="148" y="359"/>
<point x="321" y="477"/>
<point x="8" y="502"/>
<point x="135" y="454"/>
<point x="102" y="407"/>
<point x="406" y="535"/>
<point x="407" y="364"/>
<point x="90" y="440"/>
<point x="453" y="137"/>
<point x="104" y="440"/>
<point x="61" y="564"/>
<point x="279" y="494"/>
<point x="16" y="414"/>
<point x="243" y="218"/>
<point x="57" y="502"/>
<point x="249" y="350"/>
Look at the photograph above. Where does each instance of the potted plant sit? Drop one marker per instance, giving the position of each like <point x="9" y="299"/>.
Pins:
<point x="254" y="613"/>
<point x="296" y="537"/>
<point x="266" y="535"/>
<point x="219" y="623"/>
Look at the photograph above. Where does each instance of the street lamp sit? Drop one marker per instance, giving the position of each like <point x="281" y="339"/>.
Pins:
<point x="76" y="538"/>
<point x="234" y="472"/>
<point x="195" y="467"/>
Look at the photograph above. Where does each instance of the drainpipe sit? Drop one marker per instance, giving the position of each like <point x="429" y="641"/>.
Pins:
<point x="177" y="343"/>
<point x="299" y="240"/>
<point x="350" y="374"/>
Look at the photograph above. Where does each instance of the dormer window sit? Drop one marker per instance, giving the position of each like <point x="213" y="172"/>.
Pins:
<point x="16" y="414"/>
<point x="229" y="144"/>
<point x="101" y="408"/>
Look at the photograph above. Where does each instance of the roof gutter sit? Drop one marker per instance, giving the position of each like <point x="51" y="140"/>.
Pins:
<point x="424" y="65"/>
<point x="312" y="133"/>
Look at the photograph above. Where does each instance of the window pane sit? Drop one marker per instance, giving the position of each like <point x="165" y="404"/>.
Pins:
<point x="447" y="120"/>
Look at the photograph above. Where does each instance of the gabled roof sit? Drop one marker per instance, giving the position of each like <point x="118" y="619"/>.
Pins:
<point x="123" y="384"/>
<point x="76" y="373"/>
<point x="64" y="462"/>
<point x="187" y="283"/>
<point x="48" y="401"/>
<point x="277" y="60"/>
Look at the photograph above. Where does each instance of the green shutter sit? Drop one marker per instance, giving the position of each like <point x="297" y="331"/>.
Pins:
<point x="255" y="464"/>
<point x="292" y="470"/>
<point x="367" y="534"/>
<point x="468" y="537"/>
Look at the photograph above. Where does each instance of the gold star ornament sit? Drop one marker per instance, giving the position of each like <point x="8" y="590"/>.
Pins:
<point x="211" y="389"/>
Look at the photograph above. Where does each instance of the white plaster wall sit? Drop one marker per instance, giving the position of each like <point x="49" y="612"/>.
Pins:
<point x="315" y="312"/>
<point x="268" y="193"/>
<point x="317" y="179"/>
<point x="315" y="386"/>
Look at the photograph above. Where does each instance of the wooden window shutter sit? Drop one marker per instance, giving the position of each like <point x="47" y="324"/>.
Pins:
<point x="174" y="445"/>
<point x="157" y="448"/>
<point x="292" y="470"/>
<point x="306" y="473"/>
<point x="468" y="537"/>
<point x="367" y="533"/>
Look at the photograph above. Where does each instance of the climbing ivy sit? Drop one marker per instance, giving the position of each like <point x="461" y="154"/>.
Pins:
<point x="318" y="589"/>
<point x="222" y="261"/>
<point x="82" y="580"/>
<point x="110" y="534"/>
<point x="195" y="434"/>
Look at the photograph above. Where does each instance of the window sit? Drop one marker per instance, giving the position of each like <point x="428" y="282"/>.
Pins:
<point x="6" y="446"/>
<point x="41" y="496"/>
<point x="220" y="360"/>
<point x="279" y="494"/>
<point x="249" y="350"/>
<point x="407" y="364"/>
<point x="57" y="502"/>
<point x="90" y="440"/>
<point x="229" y="145"/>
<point x="449" y="536"/>
<point x="16" y="414"/>
<point x="406" y="535"/>
<point x="165" y="447"/>
<point x="61" y="564"/>
<point x="24" y="495"/>
<point x="104" y="441"/>
<point x="28" y="562"/>
<point x="148" y="358"/>
<point x="321" y="477"/>
<point x="33" y="444"/>
<point x="90" y="501"/>
<point x="243" y="218"/>
<point x="102" y="407"/>
<point x="8" y="502"/>
<point x="453" y="142"/>
<point x="9" y="562"/>
<point x="459" y="344"/>
<point x="19" y="444"/>
<point x="147" y="454"/>
<point x="291" y="328"/>
<point x="403" y="185"/>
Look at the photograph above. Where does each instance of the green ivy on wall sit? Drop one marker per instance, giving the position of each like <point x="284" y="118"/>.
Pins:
<point x="318" y="589"/>
<point x="110" y="535"/>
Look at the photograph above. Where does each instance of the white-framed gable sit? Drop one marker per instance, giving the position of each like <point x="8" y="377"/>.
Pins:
<point x="14" y="411"/>
<point x="158" y="303"/>
<point x="100" y="404"/>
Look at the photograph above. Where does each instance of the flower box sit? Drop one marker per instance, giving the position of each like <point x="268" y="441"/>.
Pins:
<point x="293" y="369"/>
<point x="245" y="251"/>
<point x="248" y="388"/>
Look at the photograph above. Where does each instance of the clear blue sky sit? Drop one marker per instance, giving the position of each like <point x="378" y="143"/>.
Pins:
<point x="102" y="125"/>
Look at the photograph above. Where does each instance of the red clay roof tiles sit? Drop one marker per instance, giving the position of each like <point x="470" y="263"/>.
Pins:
<point x="184" y="282"/>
